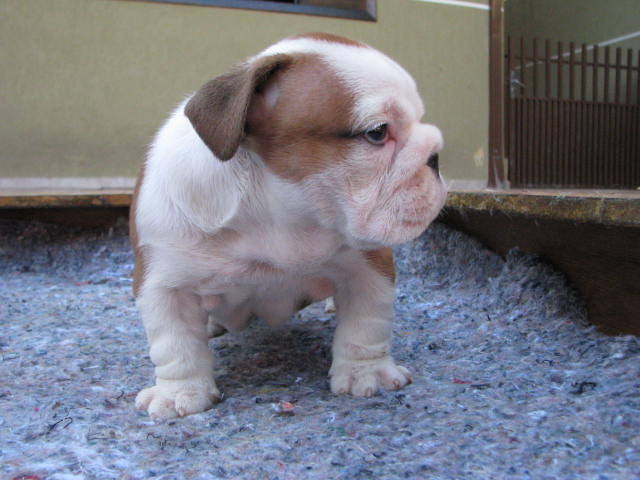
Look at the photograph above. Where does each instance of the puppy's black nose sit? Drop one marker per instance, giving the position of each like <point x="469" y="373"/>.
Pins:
<point x="433" y="162"/>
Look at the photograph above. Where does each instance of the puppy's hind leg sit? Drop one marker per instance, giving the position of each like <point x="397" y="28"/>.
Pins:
<point x="176" y="328"/>
<point x="210" y="303"/>
<point x="214" y="329"/>
<point x="329" y="305"/>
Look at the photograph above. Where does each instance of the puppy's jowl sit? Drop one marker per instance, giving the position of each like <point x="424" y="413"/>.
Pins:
<point x="281" y="182"/>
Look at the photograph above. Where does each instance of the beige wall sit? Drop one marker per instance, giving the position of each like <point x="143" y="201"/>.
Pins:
<point x="85" y="83"/>
<point x="580" y="21"/>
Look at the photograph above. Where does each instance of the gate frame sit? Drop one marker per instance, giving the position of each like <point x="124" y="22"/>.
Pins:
<point x="496" y="174"/>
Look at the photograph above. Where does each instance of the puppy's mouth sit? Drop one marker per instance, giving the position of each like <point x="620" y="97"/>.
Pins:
<point x="418" y="210"/>
<point x="420" y="181"/>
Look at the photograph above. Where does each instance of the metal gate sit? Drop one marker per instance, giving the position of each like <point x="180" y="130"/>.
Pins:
<point x="572" y="116"/>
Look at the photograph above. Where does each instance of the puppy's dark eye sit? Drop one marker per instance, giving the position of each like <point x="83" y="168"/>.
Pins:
<point x="377" y="135"/>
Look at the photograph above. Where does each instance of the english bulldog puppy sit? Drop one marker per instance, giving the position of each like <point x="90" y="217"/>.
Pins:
<point x="280" y="183"/>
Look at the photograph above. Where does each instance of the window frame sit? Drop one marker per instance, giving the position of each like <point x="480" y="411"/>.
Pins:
<point x="368" y="13"/>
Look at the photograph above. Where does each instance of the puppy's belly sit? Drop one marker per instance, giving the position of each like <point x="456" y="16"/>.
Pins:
<point x="272" y="302"/>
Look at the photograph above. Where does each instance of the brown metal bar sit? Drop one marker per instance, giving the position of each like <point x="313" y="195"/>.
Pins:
<point x="537" y="139"/>
<point x="571" y="150"/>
<point x="544" y="141"/>
<point x="519" y="140"/>
<point x="626" y="135"/>
<point x="577" y="139"/>
<point x="531" y="139"/>
<point x="527" y="135"/>
<point x="547" y="171"/>
<point x="634" y="153"/>
<point x="638" y="80"/>
<point x="628" y="99"/>
<point x="525" y="161"/>
<point x="560" y="148"/>
<point x="610" y="133"/>
<point x="620" y="160"/>
<point x="560" y="157"/>
<point x="594" y="85"/>
<point x="588" y="128"/>
<point x="587" y="137"/>
<point x="602" y="145"/>
<point x="604" y="120"/>
<point x="611" y="151"/>
<point x="555" y="138"/>
<point x="572" y="77"/>
<point x="617" y="160"/>
<point x="618" y="76"/>
<point x="596" y="164"/>
<point x="583" y="73"/>
<point x="607" y="129"/>
<point x="517" y="117"/>
<point x="623" y="173"/>
<point x="526" y="158"/>
<point x="621" y="146"/>
<point x="636" y="150"/>
<point x="564" y="142"/>
<point x="559" y="91"/>
<point x="606" y="74"/>
<point x="496" y="95"/>
<point x="510" y="117"/>
<point x="626" y="147"/>
<point x="571" y="135"/>
<point x="605" y="142"/>
<point x="523" y="66"/>
<point x="547" y="68"/>
<point x="635" y="127"/>
<point x="634" y="124"/>
<point x="535" y="67"/>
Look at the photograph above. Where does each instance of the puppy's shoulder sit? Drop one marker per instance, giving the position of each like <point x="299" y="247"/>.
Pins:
<point x="185" y="190"/>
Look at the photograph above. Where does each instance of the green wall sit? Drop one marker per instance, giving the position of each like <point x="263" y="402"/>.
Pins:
<point x="580" y="21"/>
<point x="85" y="83"/>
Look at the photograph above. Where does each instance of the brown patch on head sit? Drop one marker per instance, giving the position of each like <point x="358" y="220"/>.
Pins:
<point x="309" y="126"/>
<point x="140" y="265"/>
<point x="329" y="37"/>
<point x="382" y="262"/>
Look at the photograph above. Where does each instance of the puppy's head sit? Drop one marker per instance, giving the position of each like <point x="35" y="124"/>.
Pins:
<point x="342" y="121"/>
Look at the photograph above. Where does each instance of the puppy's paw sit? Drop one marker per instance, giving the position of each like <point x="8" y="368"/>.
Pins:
<point x="365" y="378"/>
<point x="177" y="398"/>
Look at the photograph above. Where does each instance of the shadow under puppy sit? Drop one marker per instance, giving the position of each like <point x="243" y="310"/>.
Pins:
<point x="280" y="183"/>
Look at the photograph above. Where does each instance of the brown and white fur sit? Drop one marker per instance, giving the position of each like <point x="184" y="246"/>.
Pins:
<point x="280" y="183"/>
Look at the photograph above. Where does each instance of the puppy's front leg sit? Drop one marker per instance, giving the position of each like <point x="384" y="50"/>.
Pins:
<point x="362" y="361"/>
<point x="176" y="328"/>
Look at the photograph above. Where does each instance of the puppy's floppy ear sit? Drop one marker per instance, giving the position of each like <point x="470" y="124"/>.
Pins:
<point x="218" y="111"/>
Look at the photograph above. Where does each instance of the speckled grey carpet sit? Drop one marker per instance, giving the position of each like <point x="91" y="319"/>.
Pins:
<point x="509" y="382"/>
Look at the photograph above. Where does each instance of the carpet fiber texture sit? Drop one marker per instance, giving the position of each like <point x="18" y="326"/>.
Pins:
<point x="509" y="380"/>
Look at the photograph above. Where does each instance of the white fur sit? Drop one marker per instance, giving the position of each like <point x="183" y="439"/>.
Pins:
<point x="224" y="241"/>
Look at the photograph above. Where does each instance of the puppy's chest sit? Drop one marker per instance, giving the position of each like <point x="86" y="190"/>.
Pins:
<point x="286" y="250"/>
<point x="264" y="255"/>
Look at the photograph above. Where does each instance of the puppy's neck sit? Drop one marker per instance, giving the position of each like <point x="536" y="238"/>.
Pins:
<point x="269" y="200"/>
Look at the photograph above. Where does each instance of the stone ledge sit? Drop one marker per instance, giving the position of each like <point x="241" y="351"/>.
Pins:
<point x="591" y="206"/>
<point x="20" y="198"/>
<point x="606" y="207"/>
